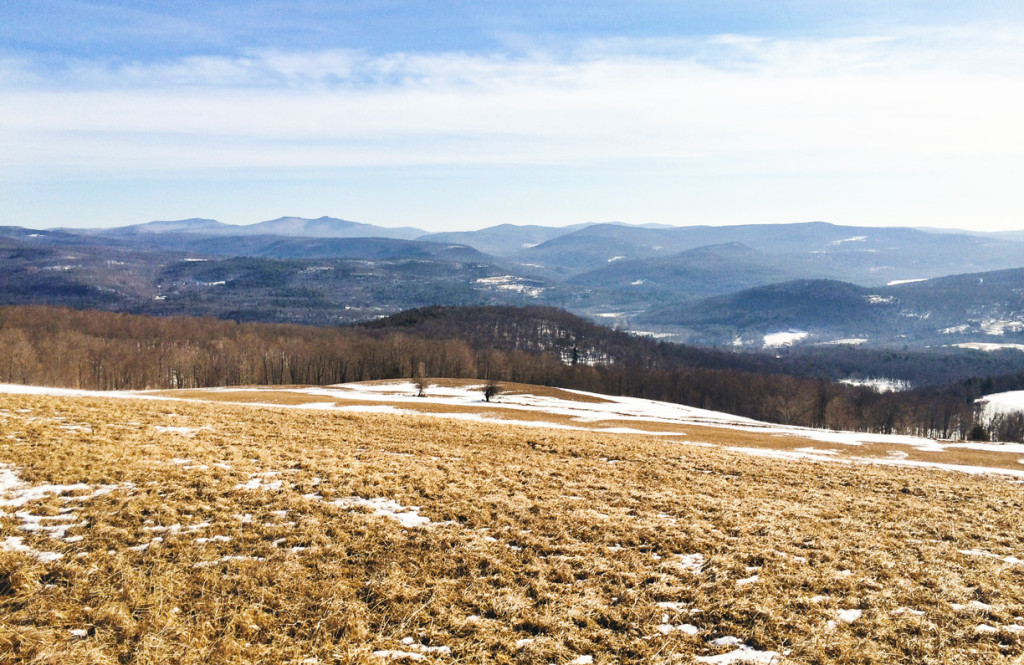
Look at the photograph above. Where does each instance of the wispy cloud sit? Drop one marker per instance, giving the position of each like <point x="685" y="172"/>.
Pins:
<point x="912" y="99"/>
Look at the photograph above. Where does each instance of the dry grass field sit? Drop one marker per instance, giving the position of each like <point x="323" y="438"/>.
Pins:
<point x="208" y="531"/>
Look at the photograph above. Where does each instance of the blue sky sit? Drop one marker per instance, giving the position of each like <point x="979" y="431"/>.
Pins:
<point x="460" y="115"/>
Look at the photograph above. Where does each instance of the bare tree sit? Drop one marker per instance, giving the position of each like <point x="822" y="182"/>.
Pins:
<point x="491" y="390"/>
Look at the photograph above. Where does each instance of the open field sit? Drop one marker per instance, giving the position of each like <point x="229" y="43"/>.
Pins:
<point x="374" y="527"/>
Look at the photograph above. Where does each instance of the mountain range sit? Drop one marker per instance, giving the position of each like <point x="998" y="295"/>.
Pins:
<point x="749" y="286"/>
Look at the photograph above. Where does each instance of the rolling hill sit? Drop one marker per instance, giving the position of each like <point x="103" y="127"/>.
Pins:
<point x="958" y="309"/>
<point x="703" y="285"/>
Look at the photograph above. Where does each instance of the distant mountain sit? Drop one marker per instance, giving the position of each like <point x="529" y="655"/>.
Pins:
<point x="283" y="247"/>
<point x="329" y="227"/>
<point x="961" y="309"/>
<point x="504" y="239"/>
<point x="194" y="225"/>
<point x="863" y="255"/>
<point x="322" y="227"/>
<point x="800" y="283"/>
<point x="704" y="271"/>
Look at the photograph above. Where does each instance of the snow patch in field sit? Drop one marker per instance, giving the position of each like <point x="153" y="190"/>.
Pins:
<point x="1010" y="559"/>
<point x="693" y="563"/>
<point x="849" y="616"/>
<point x="908" y="610"/>
<point x="788" y="338"/>
<point x="393" y="654"/>
<point x="631" y="430"/>
<point x="256" y="483"/>
<point x="226" y="559"/>
<point x="16" y="493"/>
<point x="743" y="654"/>
<point x="408" y="516"/>
<point x="15" y="544"/>
<point x="34" y="524"/>
<point x="181" y="431"/>
<point x="817" y="451"/>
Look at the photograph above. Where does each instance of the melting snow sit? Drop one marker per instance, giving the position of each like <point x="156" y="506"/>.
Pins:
<point x="691" y="562"/>
<point x="1001" y="403"/>
<point x="183" y="431"/>
<point x="999" y="328"/>
<point x="789" y="338"/>
<point x="1005" y="559"/>
<point x="852" y="341"/>
<point x="849" y="616"/>
<point x="744" y="654"/>
<point x="879" y="385"/>
<point x="990" y="347"/>
<point x="408" y="517"/>
<point x="15" y="544"/>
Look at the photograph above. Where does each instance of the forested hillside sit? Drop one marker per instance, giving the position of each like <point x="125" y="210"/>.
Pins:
<point x="100" y="350"/>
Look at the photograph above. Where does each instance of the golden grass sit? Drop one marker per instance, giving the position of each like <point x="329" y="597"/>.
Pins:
<point x="886" y="453"/>
<point x="545" y="544"/>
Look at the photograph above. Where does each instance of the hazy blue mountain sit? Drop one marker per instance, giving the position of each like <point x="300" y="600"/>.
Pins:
<point x="976" y="308"/>
<point x="863" y="255"/>
<point x="322" y="227"/>
<point x="283" y="247"/>
<point x="330" y="227"/>
<point x="709" y="285"/>
<point x="704" y="271"/>
<point x="504" y="239"/>
<point x="193" y="225"/>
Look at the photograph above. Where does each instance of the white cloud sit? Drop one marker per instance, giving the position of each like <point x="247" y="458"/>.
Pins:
<point x="923" y="99"/>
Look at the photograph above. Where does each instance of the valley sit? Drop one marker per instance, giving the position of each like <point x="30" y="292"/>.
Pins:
<point x="753" y="287"/>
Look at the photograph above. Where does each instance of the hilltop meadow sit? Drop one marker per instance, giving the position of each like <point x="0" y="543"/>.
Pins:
<point x="157" y="530"/>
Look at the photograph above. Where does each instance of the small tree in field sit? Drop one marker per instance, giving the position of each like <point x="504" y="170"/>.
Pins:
<point x="491" y="390"/>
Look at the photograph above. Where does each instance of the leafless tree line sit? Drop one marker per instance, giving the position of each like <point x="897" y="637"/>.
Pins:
<point x="106" y="351"/>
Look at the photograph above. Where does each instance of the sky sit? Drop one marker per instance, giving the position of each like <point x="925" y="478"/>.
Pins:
<point x="448" y="115"/>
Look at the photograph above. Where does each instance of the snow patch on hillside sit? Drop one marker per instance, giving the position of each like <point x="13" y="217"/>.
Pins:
<point x="879" y="385"/>
<point x="1001" y="403"/>
<point x="788" y="338"/>
<point x="836" y="243"/>
<point x="511" y="283"/>
<point x="990" y="347"/>
<point x="851" y="341"/>
<point x="999" y="328"/>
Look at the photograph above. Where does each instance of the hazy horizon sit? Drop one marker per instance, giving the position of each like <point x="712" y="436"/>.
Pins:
<point x="567" y="225"/>
<point x="464" y="115"/>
